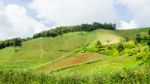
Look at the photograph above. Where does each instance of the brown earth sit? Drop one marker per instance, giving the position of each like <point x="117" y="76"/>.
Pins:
<point x="79" y="58"/>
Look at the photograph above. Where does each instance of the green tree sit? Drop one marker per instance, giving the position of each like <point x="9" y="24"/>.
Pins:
<point x="11" y="42"/>
<point x="17" y="42"/>
<point x="126" y="39"/>
<point x="138" y="38"/>
<point x="99" y="46"/>
<point x="120" y="47"/>
<point x="149" y="35"/>
<point x="149" y="32"/>
<point x="148" y="43"/>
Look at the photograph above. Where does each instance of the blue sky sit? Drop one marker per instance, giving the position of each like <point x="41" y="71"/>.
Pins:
<point x="123" y="12"/>
<point x="23" y="18"/>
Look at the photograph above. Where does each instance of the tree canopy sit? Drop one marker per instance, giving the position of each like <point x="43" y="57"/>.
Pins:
<point x="11" y="42"/>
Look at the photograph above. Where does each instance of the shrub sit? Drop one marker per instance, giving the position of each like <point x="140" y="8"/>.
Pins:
<point x="120" y="47"/>
<point x="140" y="55"/>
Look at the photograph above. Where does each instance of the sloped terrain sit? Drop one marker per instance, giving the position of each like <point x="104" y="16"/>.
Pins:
<point x="50" y="54"/>
<point x="42" y="50"/>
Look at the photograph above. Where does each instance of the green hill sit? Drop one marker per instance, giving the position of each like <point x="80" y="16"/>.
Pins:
<point x="48" y="54"/>
<point x="91" y="57"/>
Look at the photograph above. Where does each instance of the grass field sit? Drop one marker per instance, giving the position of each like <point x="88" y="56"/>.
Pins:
<point x="48" y="54"/>
<point x="42" y="50"/>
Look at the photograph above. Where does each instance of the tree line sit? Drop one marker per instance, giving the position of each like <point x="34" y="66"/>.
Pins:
<point x="11" y="42"/>
<point x="83" y="27"/>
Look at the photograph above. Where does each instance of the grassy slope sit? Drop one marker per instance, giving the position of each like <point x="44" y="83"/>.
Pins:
<point x="75" y="59"/>
<point x="42" y="50"/>
<point x="106" y="65"/>
<point x="109" y="64"/>
<point x="72" y="60"/>
<point x="46" y="51"/>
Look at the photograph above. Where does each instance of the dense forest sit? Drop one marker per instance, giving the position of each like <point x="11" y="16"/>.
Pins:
<point x="83" y="27"/>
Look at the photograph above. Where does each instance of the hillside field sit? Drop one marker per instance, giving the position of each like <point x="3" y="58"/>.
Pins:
<point x="77" y="53"/>
<point x="42" y="51"/>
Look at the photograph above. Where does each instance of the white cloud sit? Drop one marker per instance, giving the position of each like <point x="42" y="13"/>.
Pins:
<point x="128" y="25"/>
<point x="14" y="22"/>
<point x="70" y="12"/>
<point x="139" y="9"/>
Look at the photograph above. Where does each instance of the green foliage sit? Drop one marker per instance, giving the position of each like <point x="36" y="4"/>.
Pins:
<point x="138" y="38"/>
<point x="149" y="32"/>
<point x="129" y="45"/>
<point x="11" y="42"/>
<point x="148" y="43"/>
<point x="73" y="79"/>
<point x="125" y="76"/>
<point x="120" y="47"/>
<point x="141" y="55"/>
<point x="98" y="45"/>
<point x="111" y="50"/>
<point x="126" y="39"/>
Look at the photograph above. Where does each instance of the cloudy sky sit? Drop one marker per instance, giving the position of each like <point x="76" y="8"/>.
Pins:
<point x="23" y="18"/>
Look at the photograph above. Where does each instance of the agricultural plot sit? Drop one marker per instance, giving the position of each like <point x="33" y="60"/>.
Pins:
<point x="107" y="65"/>
<point x="73" y="60"/>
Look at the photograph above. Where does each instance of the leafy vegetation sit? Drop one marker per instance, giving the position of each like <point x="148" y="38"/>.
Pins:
<point x="11" y="42"/>
<point x="121" y="77"/>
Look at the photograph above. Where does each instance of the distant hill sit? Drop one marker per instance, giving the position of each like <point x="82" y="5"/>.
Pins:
<point x="131" y="33"/>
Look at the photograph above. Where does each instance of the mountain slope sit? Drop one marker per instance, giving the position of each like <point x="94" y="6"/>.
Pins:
<point x="47" y="54"/>
<point x="43" y="50"/>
